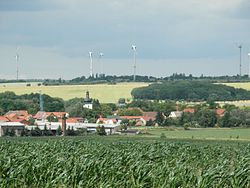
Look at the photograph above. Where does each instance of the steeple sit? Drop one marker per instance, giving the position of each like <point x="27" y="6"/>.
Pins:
<point x="88" y="101"/>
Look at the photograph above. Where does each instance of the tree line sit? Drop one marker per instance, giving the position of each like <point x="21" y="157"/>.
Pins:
<point x="190" y="91"/>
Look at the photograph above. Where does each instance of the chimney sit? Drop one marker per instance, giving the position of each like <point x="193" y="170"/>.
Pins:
<point x="64" y="125"/>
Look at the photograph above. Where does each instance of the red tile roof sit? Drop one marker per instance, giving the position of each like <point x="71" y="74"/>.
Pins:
<point x="149" y="115"/>
<point x="189" y="110"/>
<point x="41" y="115"/>
<point x="220" y="112"/>
<point x="4" y="119"/>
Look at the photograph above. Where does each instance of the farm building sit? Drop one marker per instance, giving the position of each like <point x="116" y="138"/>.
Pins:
<point x="175" y="114"/>
<point x="16" y="126"/>
<point x="91" y="127"/>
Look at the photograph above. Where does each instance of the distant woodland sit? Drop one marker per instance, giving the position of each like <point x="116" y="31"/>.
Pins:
<point x="190" y="91"/>
<point x="113" y="79"/>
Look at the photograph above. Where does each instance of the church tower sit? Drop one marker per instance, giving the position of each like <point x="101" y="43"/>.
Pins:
<point x="88" y="102"/>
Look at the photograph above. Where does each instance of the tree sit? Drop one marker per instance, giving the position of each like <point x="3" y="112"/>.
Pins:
<point x="225" y="120"/>
<point x="159" y="119"/>
<point x="9" y="132"/>
<point x="150" y="123"/>
<point x="47" y="132"/>
<point x="36" y="132"/>
<point x="100" y="130"/>
<point x="124" y="124"/>
<point x="206" y="118"/>
<point x="130" y="112"/>
<point x="59" y="130"/>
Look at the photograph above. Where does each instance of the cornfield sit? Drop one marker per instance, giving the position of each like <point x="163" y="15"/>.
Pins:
<point x="102" y="162"/>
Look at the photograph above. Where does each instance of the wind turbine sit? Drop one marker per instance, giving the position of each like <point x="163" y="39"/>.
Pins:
<point x="134" y="50"/>
<point x="249" y="64"/>
<point x="17" y="63"/>
<point x="100" y="57"/>
<point x="240" y="47"/>
<point x="91" y="64"/>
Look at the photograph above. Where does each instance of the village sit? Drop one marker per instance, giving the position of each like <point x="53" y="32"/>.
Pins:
<point x="17" y="121"/>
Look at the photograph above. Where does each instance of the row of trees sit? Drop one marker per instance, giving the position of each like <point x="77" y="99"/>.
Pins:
<point x="30" y="102"/>
<point x="112" y="79"/>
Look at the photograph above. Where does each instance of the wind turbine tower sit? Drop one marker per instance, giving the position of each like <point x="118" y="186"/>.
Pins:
<point x="91" y="64"/>
<point x="134" y="50"/>
<point x="240" y="47"/>
<point x="249" y="64"/>
<point x="17" y="64"/>
<point x="100" y="57"/>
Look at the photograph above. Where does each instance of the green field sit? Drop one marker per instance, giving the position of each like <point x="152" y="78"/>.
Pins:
<point x="122" y="162"/>
<point x="103" y="92"/>
<point x="203" y="133"/>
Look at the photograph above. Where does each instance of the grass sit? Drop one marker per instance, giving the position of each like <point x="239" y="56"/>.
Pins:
<point x="203" y="133"/>
<point x="103" y="92"/>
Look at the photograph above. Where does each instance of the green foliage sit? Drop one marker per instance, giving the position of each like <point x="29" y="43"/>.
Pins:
<point x="98" y="162"/>
<point x="190" y="90"/>
<point x="46" y="131"/>
<point x="36" y="132"/>
<point x="100" y="130"/>
<point x="71" y="132"/>
<point x="163" y="136"/>
<point x="31" y="121"/>
<point x="129" y="112"/>
<point x="206" y="118"/>
<point x="59" y="131"/>
<point x="52" y="118"/>
<point x="11" y="101"/>
<point x="9" y="132"/>
<point x="150" y="123"/>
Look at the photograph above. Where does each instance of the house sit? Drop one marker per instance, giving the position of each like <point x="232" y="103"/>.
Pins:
<point x="149" y="115"/>
<point x="189" y="110"/>
<point x="110" y="121"/>
<point x="220" y="112"/>
<point x="175" y="114"/>
<point x="49" y="116"/>
<point x="16" y="126"/>
<point x="139" y="120"/>
<point x="21" y="116"/>
<point x="4" y="119"/>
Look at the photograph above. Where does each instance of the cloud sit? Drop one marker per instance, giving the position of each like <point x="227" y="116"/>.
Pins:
<point x="161" y="29"/>
<point x="26" y="5"/>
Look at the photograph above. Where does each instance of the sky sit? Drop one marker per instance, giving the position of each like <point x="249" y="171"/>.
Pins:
<point x="53" y="37"/>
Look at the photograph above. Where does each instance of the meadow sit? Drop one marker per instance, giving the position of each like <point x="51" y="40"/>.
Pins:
<point x="103" y="92"/>
<point x="200" y="133"/>
<point x="122" y="162"/>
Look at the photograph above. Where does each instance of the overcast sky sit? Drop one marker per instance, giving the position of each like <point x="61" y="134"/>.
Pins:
<point x="192" y="36"/>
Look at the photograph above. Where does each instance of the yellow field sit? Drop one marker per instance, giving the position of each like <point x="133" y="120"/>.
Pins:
<point x="103" y="92"/>
<point x="245" y="85"/>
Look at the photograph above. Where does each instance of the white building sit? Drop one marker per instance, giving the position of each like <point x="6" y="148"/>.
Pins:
<point x="16" y="126"/>
<point x="175" y="114"/>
